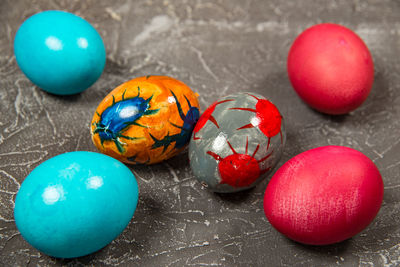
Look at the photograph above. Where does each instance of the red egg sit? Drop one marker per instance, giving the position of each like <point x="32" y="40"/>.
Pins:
<point x="331" y="68"/>
<point x="324" y="195"/>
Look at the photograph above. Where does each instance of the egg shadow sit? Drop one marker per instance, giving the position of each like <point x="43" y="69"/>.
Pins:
<point x="133" y="240"/>
<point x="336" y="249"/>
<point x="84" y="260"/>
<point x="324" y="254"/>
<point x="236" y="197"/>
<point x="63" y="98"/>
<point x="114" y="67"/>
<point x="340" y="118"/>
<point x="379" y="97"/>
<point x="180" y="161"/>
<point x="136" y="237"/>
<point x="176" y="166"/>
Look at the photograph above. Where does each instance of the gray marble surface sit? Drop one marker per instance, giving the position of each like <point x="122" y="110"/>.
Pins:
<point x="217" y="48"/>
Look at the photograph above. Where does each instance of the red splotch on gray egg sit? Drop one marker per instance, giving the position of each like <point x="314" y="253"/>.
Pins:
<point x="236" y="142"/>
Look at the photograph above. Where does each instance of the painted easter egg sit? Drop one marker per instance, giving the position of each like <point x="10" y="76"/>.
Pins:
<point x="236" y="142"/>
<point x="324" y="195"/>
<point x="331" y="68"/>
<point x="75" y="203"/>
<point x="59" y="52"/>
<point x="145" y="120"/>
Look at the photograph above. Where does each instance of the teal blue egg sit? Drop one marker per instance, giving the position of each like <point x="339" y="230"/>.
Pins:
<point x="59" y="52"/>
<point x="75" y="203"/>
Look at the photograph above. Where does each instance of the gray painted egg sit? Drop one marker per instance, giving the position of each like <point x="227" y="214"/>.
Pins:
<point x="236" y="143"/>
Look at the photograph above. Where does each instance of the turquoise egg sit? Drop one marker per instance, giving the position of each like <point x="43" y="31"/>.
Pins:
<point x="59" y="52"/>
<point x="75" y="203"/>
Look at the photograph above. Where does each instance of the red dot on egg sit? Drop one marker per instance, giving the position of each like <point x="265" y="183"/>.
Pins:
<point x="268" y="118"/>
<point x="239" y="170"/>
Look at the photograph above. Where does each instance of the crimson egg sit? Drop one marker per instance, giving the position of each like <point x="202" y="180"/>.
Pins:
<point x="324" y="195"/>
<point x="330" y="68"/>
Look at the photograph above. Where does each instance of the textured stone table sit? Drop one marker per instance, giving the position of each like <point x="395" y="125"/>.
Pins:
<point x="217" y="48"/>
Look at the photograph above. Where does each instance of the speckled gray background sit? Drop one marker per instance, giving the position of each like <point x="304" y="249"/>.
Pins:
<point x="217" y="48"/>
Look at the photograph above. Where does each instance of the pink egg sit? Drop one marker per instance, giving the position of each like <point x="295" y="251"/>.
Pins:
<point x="330" y="68"/>
<point x="324" y="195"/>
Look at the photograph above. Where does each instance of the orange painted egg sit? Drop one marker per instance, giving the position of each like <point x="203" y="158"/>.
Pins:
<point x="145" y="120"/>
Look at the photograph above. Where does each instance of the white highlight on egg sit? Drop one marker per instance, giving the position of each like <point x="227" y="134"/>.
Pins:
<point x="70" y="171"/>
<point x="83" y="43"/>
<point x="171" y="99"/>
<point x="255" y="121"/>
<point x="219" y="142"/>
<point x="54" y="43"/>
<point x="52" y="194"/>
<point x="127" y="112"/>
<point x="94" y="182"/>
